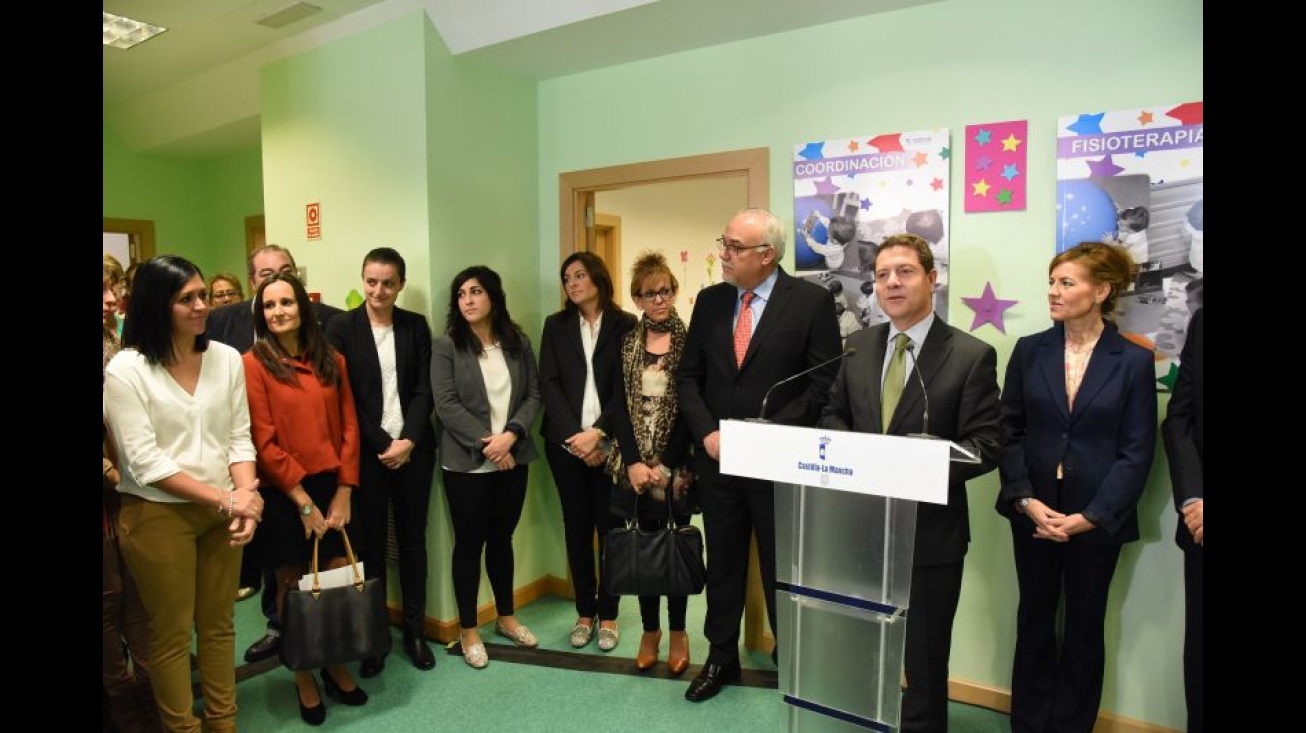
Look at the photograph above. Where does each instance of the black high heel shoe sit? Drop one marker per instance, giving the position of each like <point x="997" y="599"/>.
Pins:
<point x="356" y="696"/>
<point x="314" y="715"/>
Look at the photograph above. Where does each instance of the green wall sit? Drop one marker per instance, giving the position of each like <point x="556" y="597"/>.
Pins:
<point x="945" y="64"/>
<point x="198" y="206"/>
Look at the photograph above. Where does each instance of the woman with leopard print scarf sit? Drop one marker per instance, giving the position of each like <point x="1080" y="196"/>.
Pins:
<point x="652" y="458"/>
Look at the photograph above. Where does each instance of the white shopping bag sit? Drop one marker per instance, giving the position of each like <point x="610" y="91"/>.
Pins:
<point x="333" y="578"/>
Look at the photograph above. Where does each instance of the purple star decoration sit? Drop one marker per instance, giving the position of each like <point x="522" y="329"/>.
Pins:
<point x="988" y="308"/>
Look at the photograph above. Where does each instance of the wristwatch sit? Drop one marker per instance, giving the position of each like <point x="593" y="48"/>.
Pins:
<point x="306" y="509"/>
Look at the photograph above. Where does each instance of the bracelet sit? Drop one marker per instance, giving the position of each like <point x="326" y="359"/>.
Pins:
<point x="219" y="499"/>
<point x="231" y="505"/>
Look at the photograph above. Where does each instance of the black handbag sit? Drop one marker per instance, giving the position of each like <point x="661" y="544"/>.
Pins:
<point x="326" y="626"/>
<point x="660" y="562"/>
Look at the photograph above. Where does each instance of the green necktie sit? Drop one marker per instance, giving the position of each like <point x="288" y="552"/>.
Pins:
<point x="894" y="380"/>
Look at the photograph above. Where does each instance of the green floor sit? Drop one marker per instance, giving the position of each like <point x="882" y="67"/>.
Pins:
<point x="525" y="691"/>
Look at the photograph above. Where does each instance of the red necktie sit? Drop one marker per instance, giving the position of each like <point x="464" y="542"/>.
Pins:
<point x="744" y="328"/>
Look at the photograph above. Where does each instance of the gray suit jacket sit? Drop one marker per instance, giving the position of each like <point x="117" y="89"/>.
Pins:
<point x="462" y="406"/>
<point x="960" y="372"/>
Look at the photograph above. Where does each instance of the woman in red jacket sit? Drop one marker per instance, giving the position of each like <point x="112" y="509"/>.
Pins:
<point x="306" y="436"/>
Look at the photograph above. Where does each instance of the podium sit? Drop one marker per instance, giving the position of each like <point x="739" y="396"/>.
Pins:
<point x="845" y="513"/>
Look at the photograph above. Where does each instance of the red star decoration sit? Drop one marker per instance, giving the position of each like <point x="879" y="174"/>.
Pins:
<point x="891" y="143"/>
<point x="1189" y="113"/>
<point x="936" y="184"/>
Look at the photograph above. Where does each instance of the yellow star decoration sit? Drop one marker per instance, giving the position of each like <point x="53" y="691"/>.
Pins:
<point x="981" y="188"/>
<point x="1011" y="143"/>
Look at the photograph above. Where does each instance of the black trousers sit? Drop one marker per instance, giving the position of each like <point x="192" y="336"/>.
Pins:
<point x="1193" y="631"/>
<point x="734" y="509"/>
<point x="1059" y="690"/>
<point x="408" y="489"/>
<point x="484" y="509"/>
<point x="932" y="606"/>
<point x="585" y="493"/>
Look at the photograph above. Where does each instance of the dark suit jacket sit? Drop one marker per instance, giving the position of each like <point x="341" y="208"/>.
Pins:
<point x="1184" y="427"/>
<point x="562" y="372"/>
<point x="961" y="378"/>
<point x="233" y="324"/>
<point x="462" y="406"/>
<point x="1105" y="445"/>
<point x="351" y="335"/>
<point x="798" y="330"/>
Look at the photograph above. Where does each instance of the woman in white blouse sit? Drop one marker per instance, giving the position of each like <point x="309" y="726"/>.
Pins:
<point x="487" y="393"/>
<point x="175" y="404"/>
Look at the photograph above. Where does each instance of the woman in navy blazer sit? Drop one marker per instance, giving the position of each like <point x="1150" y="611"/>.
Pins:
<point x="487" y="395"/>
<point x="580" y="368"/>
<point x="388" y="352"/>
<point x="1079" y="423"/>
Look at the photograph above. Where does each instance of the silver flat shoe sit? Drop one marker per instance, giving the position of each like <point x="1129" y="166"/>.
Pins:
<point x="582" y="633"/>
<point x="608" y="639"/>
<point x="476" y="656"/>
<point x="521" y="637"/>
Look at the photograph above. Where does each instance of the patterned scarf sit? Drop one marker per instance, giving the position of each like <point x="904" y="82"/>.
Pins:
<point x="651" y="440"/>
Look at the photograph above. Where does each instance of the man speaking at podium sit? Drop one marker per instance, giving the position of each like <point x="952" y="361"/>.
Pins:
<point x="917" y="375"/>
<point x="760" y="335"/>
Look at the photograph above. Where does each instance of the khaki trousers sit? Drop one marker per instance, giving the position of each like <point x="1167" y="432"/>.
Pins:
<point x="186" y="574"/>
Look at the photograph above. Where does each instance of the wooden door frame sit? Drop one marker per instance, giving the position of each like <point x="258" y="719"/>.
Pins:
<point x="576" y="191"/>
<point x="140" y="236"/>
<point x="254" y="225"/>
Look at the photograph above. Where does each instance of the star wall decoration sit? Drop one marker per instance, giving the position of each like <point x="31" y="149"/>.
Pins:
<point x="990" y="147"/>
<point x="988" y="308"/>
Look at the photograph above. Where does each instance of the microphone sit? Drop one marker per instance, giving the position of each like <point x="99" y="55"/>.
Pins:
<point x="761" y="414"/>
<point x="925" y="395"/>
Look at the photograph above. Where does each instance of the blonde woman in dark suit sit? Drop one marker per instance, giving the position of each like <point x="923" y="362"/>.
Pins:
<point x="388" y="351"/>
<point x="487" y="393"/>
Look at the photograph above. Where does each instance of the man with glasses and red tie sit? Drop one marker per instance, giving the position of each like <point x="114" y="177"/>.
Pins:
<point x="758" y="327"/>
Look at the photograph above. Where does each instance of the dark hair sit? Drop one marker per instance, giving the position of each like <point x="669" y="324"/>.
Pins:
<point x="313" y="345"/>
<point x="1135" y="218"/>
<point x="148" y="327"/>
<point x="1104" y="263"/>
<point x="388" y="256"/>
<point x="598" y="273"/>
<point x="505" y="330"/>
<point x="842" y="229"/>
<point x="911" y="241"/>
<point x="650" y="264"/>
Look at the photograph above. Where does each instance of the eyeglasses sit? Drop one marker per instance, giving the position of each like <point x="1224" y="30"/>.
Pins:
<point x="733" y="249"/>
<point x="221" y="294"/>
<point x="651" y="296"/>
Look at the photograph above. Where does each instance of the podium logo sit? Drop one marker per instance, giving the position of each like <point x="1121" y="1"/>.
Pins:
<point x="824" y="440"/>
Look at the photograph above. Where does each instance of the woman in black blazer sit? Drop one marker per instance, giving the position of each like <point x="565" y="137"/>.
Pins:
<point x="580" y="357"/>
<point x="1079" y="424"/>
<point x="487" y="395"/>
<point x="388" y="352"/>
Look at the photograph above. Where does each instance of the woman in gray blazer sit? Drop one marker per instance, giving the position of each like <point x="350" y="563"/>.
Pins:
<point x="487" y="393"/>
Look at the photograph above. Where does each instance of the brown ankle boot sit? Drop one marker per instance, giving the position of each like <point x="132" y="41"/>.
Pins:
<point x="648" y="649"/>
<point x="678" y="655"/>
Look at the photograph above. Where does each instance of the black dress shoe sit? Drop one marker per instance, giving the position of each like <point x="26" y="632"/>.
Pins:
<point x="314" y="715"/>
<point x="417" y="650"/>
<point x="371" y="666"/>
<point x="710" y="679"/>
<point x="264" y="648"/>
<point x="356" y="696"/>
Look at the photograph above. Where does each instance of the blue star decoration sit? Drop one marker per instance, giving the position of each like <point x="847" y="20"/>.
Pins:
<point x="866" y="204"/>
<point x="988" y="308"/>
<point x="1169" y="379"/>
<point x="813" y="151"/>
<point x="1088" y="124"/>
<point x="1009" y="171"/>
<point x="982" y="137"/>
